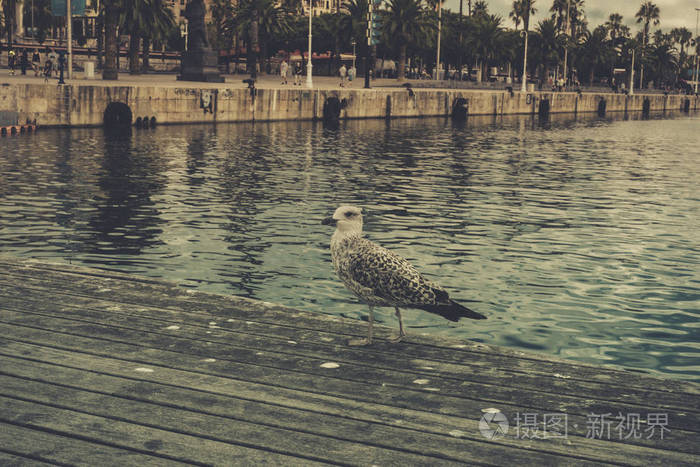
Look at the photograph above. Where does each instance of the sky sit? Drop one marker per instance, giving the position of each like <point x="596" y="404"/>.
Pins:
<point x="674" y="13"/>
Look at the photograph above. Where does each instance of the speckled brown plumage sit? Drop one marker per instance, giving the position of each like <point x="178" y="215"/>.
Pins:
<point x="380" y="277"/>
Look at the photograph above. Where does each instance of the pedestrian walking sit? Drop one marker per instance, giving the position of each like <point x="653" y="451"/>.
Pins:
<point x="343" y="72"/>
<point x="36" y="62"/>
<point x="48" y="67"/>
<point x="297" y="74"/>
<point x="53" y="58"/>
<point x="24" y="61"/>
<point x="284" y="69"/>
<point x="352" y="72"/>
<point x="11" y="61"/>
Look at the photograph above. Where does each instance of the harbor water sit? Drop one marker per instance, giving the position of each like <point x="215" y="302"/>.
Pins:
<point x="577" y="238"/>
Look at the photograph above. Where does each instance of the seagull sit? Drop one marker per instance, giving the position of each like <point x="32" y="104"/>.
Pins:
<point x="382" y="278"/>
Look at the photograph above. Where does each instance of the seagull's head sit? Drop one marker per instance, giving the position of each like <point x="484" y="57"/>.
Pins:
<point x="346" y="219"/>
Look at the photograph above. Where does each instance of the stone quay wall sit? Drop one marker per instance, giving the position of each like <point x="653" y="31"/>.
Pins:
<point x="87" y="105"/>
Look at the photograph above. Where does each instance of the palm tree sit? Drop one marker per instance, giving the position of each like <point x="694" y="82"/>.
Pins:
<point x="9" y="9"/>
<point x="147" y="19"/>
<point x="519" y="12"/>
<point x="246" y="20"/>
<point x="162" y="23"/>
<point x="262" y="21"/>
<point x="486" y="40"/>
<point x="549" y="44"/>
<point x="596" y="51"/>
<point x="527" y="11"/>
<point x="664" y="62"/>
<point x="43" y="19"/>
<point x="614" y="26"/>
<point x="356" y="14"/>
<point x="648" y="13"/>
<point x="480" y="8"/>
<point x="406" y="21"/>
<point x="111" y="22"/>
<point x="222" y="13"/>
<point x="682" y="36"/>
<point x="355" y="21"/>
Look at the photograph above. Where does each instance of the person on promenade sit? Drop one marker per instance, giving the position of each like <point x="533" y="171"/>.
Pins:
<point x="36" y="62"/>
<point x="297" y="74"/>
<point x="343" y="72"/>
<point x="352" y="72"/>
<point x="24" y="61"/>
<point x="11" y="61"/>
<point x="48" y="66"/>
<point x="284" y="69"/>
<point x="53" y="58"/>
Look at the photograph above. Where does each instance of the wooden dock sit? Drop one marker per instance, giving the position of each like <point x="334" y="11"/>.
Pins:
<point x="101" y="368"/>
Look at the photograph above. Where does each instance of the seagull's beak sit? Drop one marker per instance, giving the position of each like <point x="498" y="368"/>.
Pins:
<point x="329" y="221"/>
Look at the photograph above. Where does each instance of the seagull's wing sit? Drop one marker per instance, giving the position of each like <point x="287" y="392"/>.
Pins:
<point x="391" y="277"/>
<point x="378" y="275"/>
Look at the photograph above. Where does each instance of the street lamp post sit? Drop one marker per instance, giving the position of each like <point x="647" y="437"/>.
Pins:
<point x="309" y="79"/>
<point x="439" y="32"/>
<point x="632" y="75"/>
<point x="523" y="86"/>
<point x="526" y="26"/>
<point x="184" y="32"/>
<point x="353" y="53"/>
<point x="697" y="11"/>
<point x="566" y="45"/>
<point x="69" y="33"/>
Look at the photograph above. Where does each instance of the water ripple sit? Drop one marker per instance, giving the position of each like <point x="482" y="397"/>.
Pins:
<point x="577" y="239"/>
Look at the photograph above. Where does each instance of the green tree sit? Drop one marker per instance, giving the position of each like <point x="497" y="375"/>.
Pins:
<point x="615" y="26"/>
<point x="548" y="44"/>
<point x="682" y="37"/>
<point x="111" y="24"/>
<point x="480" y="8"/>
<point x="9" y="9"/>
<point x="143" y="20"/>
<point x="519" y="11"/>
<point x="648" y="14"/>
<point x="406" y="21"/>
<point x="664" y="62"/>
<point x="43" y="19"/>
<point x="486" y="41"/>
<point x="596" y="53"/>
<point x="261" y="22"/>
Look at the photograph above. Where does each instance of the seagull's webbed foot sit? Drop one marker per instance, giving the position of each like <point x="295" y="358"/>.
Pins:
<point x="397" y="339"/>
<point x="368" y="339"/>
<point x="402" y="333"/>
<point x="359" y="342"/>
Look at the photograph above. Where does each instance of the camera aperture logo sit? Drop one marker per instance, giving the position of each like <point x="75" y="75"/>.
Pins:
<point x="493" y="424"/>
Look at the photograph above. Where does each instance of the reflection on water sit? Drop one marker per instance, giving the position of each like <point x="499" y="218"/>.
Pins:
<point x="576" y="238"/>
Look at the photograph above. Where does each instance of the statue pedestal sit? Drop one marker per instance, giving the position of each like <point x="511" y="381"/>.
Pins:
<point x="200" y="65"/>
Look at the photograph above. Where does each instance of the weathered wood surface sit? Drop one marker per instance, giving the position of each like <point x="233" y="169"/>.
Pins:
<point x="101" y="368"/>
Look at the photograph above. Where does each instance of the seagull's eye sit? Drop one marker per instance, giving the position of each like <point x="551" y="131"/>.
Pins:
<point x="349" y="214"/>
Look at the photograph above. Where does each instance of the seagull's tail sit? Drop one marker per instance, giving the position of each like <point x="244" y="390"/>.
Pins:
<point x="452" y="311"/>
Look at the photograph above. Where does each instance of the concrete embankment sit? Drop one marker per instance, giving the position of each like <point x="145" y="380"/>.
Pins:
<point x="92" y="105"/>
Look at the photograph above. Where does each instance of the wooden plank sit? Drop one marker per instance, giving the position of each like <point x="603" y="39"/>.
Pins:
<point x="278" y="348"/>
<point x="368" y="423"/>
<point x="299" y="372"/>
<point x="73" y="334"/>
<point x="111" y="431"/>
<point x="266" y="438"/>
<point x="39" y="447"/>
<point x="11" y="460"/>
<point x="457" y="352"/>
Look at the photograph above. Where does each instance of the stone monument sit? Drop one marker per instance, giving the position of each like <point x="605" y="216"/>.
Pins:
<point x="199" y="62"/>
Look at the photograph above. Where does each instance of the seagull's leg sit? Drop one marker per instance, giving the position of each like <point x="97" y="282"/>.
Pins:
<point x="402" y="333"/>
<point x="367" y="340"/>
